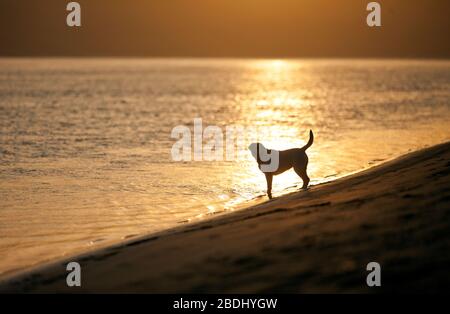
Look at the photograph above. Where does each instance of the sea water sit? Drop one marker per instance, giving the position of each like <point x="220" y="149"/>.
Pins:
<point x="85" y="144"/>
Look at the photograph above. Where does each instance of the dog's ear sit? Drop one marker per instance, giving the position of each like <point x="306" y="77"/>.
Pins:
<point x="257" y="149"/>
<point x="253" y="147"/>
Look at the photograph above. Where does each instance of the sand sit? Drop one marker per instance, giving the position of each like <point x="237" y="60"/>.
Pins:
<point x="319" y="240"/>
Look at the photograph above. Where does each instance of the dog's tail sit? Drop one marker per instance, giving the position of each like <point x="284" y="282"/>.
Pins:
<point x="310" y="142"/>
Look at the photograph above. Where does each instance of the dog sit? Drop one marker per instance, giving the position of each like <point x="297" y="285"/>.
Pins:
<point x="292" y="158"/>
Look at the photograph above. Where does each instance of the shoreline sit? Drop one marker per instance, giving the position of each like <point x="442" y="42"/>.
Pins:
<point x="243" y="205"/>
<point x="281" y="245"/>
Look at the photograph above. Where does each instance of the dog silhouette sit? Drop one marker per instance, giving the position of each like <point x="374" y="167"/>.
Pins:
<point x="272" y="162"/>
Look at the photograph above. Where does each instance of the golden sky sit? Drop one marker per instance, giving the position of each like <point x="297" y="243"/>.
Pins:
<point x="226" y="28"/>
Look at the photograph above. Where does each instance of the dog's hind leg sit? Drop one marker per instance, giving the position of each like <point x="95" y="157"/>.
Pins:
<point x="301" y="171"/>
<point x="269" y="177"/>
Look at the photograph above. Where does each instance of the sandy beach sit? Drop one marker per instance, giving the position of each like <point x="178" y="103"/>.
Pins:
<point x="319" y="240"/>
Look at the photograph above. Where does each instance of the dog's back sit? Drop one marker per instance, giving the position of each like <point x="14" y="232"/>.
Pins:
<point x="294" y="157"/>
<point x="290" y="158"/>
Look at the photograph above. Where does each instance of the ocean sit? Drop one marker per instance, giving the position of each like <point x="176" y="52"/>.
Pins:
<point x="85" y="144"/>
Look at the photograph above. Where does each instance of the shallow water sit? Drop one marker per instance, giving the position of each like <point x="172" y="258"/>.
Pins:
<point x="85" y="144"/>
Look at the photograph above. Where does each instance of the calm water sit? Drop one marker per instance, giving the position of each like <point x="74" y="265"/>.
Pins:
<point x="85" y="143"/>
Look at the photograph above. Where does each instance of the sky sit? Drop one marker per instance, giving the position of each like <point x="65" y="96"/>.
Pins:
<point x="226" y="28"/>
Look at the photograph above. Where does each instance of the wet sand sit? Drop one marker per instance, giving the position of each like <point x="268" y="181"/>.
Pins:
<point x="319" y="240"/>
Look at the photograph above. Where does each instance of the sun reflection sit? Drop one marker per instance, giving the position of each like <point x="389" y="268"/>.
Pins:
<point x="275" y="108"/>
<point x="278" y="64"/>
<point x="273" y="64"/>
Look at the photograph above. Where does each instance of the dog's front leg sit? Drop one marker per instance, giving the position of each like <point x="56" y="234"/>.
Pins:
<point x="269" y="184"/>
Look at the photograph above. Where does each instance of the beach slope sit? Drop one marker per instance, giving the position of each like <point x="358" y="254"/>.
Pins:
<point x="320" y="240"/>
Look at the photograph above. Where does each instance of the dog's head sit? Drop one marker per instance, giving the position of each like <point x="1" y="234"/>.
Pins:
<point x="256" y="148"/>
<point x="267" y="159"/>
